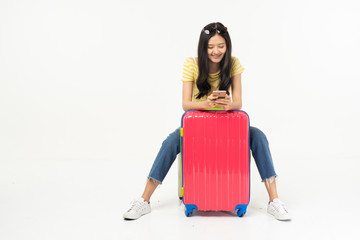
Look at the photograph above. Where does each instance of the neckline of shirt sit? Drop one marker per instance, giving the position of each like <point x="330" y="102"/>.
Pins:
<point x="214" y="73"/>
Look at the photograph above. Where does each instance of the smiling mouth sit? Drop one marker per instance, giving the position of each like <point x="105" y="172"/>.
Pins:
<point x="216" y="56"/>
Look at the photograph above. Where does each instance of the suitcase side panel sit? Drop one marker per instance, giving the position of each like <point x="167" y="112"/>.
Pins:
<point x="216" y="159"/>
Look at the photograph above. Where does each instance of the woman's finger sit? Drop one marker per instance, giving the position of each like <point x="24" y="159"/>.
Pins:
<point x="212" y="98"/>
<point x="223" y="101"/>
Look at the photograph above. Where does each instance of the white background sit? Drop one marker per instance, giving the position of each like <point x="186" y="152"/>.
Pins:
<point x="90" y="89"/>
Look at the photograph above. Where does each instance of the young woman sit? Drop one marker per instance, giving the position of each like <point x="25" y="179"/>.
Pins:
<point x="213" y="69"/>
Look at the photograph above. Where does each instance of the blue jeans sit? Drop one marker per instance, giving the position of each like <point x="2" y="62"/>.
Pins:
<point x="171" y="147"/>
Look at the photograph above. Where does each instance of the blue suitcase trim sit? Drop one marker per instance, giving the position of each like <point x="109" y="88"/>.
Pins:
<point x="241" y="209"/>
<point x="189" y="209"/>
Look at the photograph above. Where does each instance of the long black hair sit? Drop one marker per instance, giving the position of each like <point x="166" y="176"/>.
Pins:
<point x="225" y="64"/>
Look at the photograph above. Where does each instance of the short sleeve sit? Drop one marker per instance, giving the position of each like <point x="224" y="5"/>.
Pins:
<point x="236" y="67"/>
<point x="188" y="71"/>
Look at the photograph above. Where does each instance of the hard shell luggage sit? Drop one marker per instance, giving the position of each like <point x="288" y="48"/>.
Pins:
<point x="215" y="161"/>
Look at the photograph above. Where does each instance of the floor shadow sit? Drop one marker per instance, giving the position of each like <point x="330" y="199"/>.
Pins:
<point x="214" y="214"/>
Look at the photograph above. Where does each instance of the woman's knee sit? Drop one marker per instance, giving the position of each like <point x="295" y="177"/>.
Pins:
<point x="257" y="136"/>
<point x="173" y="138"/>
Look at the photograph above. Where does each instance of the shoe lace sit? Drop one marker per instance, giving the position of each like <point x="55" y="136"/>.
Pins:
<point x="280" y="207"/>
<point x="136" y="206"/>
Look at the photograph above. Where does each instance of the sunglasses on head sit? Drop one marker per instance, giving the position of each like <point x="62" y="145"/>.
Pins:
<point x="217" y="28"/>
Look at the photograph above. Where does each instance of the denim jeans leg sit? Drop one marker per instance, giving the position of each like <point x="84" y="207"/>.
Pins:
<point x="259" y="146"/>
<point x="170" y="148"/>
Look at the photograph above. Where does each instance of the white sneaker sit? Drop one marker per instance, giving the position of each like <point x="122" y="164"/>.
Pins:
<point x="278" y="210"/>
<point x="138" y="208"/>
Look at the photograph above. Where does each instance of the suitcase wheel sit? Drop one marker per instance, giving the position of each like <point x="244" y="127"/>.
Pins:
<point x="241" y="209"/>
<point x="240" y="213"/>
<point x="190" y="209"/>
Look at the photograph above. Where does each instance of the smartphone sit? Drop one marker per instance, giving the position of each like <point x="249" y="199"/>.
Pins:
<point x="219" y="94"/>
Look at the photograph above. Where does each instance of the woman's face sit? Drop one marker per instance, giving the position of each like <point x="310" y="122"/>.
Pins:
<point x="216" y="48"/>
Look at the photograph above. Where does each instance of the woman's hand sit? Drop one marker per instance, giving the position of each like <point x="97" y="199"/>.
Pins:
<point x="211" y="101"/>
<point x="225" y="103"/>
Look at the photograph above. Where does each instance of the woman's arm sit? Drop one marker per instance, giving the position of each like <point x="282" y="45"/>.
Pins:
<point x="187" y="102"/>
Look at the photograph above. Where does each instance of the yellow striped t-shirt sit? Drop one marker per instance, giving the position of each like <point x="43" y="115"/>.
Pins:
<point x="191" y="71"/>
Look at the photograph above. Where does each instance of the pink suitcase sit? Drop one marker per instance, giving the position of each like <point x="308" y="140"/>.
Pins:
<point x="215" y="157"/>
